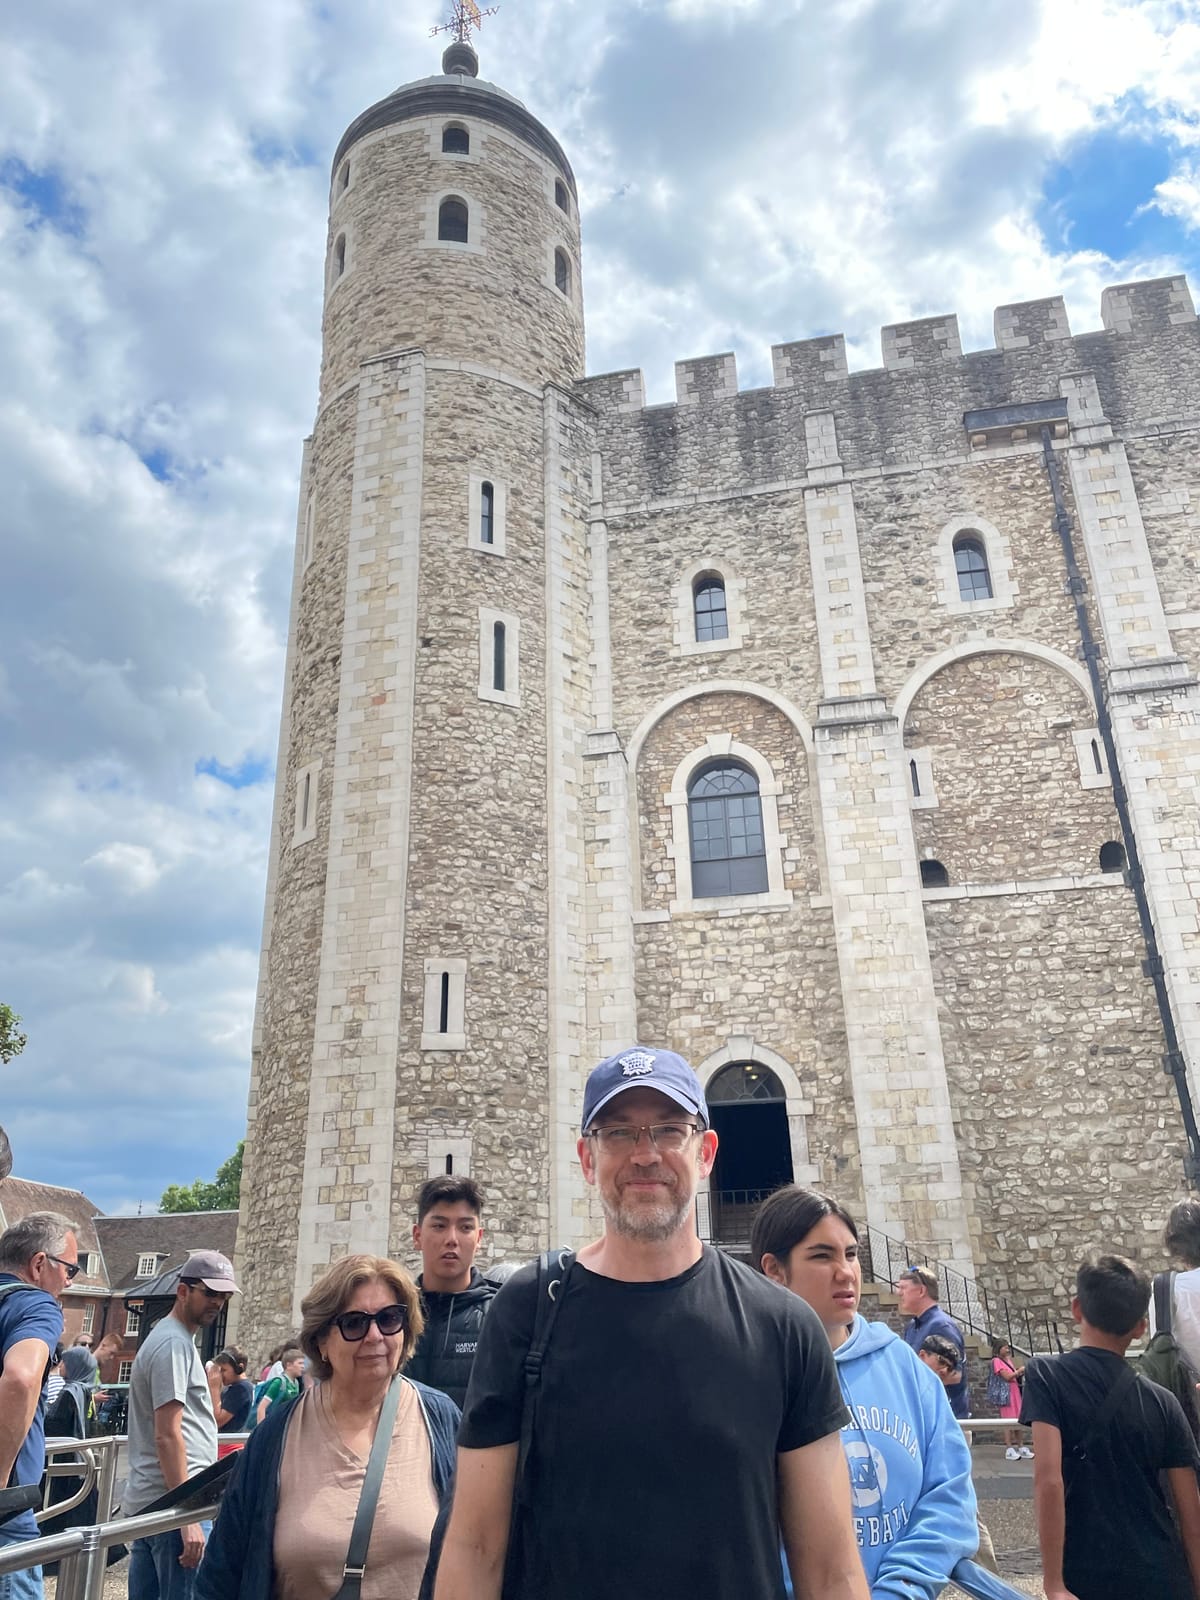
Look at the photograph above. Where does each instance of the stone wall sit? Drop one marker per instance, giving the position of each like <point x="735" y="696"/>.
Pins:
<point x="1068" y="1129"/>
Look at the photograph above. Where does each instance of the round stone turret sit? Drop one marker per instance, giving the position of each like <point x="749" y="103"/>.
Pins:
<point x="454" y="226"/>
<point x="404" y="1018"/>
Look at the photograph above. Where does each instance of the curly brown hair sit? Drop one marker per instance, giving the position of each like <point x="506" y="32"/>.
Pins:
<point x="331" y="1293"/>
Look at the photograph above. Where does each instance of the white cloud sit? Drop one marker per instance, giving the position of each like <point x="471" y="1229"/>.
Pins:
<point x="750" y="174"/>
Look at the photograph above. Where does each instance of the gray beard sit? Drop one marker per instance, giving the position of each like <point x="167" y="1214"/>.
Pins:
<point x="650" y="1225"/>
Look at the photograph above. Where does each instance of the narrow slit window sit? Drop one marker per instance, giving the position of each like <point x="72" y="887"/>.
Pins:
<point x="339" y="256"/>
<point x="914" y="779"/>
<point x="449" y="1166"/>
<point x="971" y="565"/>
<point x="487" y="511"/>
<point x="305" y="799"/>
<point x="344" y="178"/>
<point x="1096" y="761"/>
<point x="444" y="1005"/>
<point x="562" y="272"/>
<point x="560" y="195"/>
<point x="453" y="221"/>
<point x="498" y="662"/>
<point x="456" y="141"/>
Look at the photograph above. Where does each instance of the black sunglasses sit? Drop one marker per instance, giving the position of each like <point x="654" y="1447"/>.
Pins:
<point x="71" y="1268"/>
<point x="353" y="1325"/>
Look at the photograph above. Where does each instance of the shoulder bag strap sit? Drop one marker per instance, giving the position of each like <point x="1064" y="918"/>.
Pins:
<point x="1164" y="1284"/>
<point x="368" y="1499"/>
<point x="1122" y="1384"/>
<point x="553" y="1268"/>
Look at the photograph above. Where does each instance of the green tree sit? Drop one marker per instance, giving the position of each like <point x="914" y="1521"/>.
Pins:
<point x="12" y="1040"/>
<point x="222" y="1194"/>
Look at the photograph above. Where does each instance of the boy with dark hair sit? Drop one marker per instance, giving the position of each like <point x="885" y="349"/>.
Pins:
<point x="1102" y="1436"/>
<point x="942" y="1355"/>
<point x="454" y="1294"/>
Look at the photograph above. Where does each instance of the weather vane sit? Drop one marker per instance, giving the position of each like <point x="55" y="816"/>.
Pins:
<point x="465" y="15"/>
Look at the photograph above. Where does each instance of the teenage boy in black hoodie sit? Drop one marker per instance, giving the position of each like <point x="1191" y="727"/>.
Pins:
<point x="455" y="1295"/>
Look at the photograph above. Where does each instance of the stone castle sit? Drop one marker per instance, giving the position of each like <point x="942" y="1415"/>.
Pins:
<point x="842" y="735"/>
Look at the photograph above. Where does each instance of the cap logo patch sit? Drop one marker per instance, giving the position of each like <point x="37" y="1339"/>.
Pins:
<point x="636" y="1064"/>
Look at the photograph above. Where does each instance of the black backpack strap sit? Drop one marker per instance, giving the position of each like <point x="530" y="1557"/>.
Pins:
<point x="1164" y="1286"/>
<point x="1121" y="1386"/>
<point x="553" y="1268"/>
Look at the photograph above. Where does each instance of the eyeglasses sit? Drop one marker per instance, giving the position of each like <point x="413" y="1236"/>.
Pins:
<point x="623" y="1136"/>
<point x="71" y="1268"/>
<point x="353" y="1325"/>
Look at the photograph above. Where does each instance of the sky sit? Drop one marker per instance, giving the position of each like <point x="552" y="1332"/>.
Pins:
<point x="751" y="172"/>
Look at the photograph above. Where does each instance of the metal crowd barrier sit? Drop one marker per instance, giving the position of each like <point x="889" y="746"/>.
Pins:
<point x="82" y="1553"/>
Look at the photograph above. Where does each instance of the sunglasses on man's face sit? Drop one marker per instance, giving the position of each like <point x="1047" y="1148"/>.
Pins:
<point x="353" y="1325"/>
<point x="71" y="1268"/>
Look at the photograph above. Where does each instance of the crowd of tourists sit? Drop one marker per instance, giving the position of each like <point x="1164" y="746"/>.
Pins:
<point x="647" y="1417"/>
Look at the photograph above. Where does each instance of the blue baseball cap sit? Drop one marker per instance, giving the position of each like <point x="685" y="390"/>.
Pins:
<point x="643" y="1067"/>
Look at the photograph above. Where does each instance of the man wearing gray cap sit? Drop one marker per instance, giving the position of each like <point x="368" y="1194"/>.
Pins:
<point x="172" y="1429"/>
<point x="687" y="1414"/>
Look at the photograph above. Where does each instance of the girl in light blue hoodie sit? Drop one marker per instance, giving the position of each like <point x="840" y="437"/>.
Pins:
<point x="910" y="1467"/>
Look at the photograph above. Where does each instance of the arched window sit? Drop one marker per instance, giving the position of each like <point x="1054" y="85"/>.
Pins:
<point x="1112" y="856"/>
<point x="339" y="256"/>
<point x="725" y="829"/>
<point x="453" y="220"/>
<point x="487" y="507"/>
<point x="708" y="604"/>
<point x="934" y="875"/>
<point x="560" y="195"/>
<point x="562" y="272"/>
<point x="456" y="141"/>
<point x="971" y="564"/>
<point x="498" y="662"/>
<point x="743" y="1080"/>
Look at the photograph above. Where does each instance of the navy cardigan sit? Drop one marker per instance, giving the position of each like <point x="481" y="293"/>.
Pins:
<point x="239" y="1562"/>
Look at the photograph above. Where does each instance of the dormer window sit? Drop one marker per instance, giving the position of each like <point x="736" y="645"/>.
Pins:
<point x="147" y="1266"/>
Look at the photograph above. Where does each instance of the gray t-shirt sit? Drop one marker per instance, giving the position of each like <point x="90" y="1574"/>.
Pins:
<point x="167" y="1367"/>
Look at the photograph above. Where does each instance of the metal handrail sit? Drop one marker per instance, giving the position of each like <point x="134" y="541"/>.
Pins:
<point x="80" y="1551"/>
<point x="97" y="1464"/>
<point x="884" y="1259"/>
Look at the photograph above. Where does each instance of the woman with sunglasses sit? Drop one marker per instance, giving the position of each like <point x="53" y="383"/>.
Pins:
<point x="283" y="1532"/>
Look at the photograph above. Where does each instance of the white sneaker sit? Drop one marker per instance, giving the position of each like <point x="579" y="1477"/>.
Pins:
<point x="1012" y="1453"/>
<point x="1026" y="1452"/>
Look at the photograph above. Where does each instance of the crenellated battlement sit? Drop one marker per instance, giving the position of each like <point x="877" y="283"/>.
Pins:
<point x="931" y="346"/>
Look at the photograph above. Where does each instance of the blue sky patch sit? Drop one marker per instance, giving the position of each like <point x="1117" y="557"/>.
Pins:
<point x="46" y="193"/>
<point x="1093" y="199"/>
<point x="251" y="771"/>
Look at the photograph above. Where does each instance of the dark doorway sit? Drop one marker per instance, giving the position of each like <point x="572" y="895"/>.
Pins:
<point x="754" y="1155"/>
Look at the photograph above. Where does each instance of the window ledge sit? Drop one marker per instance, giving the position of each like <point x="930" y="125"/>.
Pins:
<point x="443" y="1041"/>
<point x="707" y="647"/>
<point x="733" y="905"/>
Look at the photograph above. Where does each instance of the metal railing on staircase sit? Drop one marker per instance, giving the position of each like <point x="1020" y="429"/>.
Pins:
<point x="725" y="1216"/>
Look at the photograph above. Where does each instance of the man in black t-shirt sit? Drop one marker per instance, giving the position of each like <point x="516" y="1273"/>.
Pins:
<point x="688" y="1412"/>
<point x="1104" y="1525"/>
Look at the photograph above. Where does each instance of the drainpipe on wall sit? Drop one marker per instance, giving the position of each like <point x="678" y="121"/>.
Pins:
<point x="1152" y="966"/>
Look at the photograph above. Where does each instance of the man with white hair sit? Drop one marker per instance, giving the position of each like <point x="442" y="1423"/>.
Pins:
<point x="38" y="1258"/>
